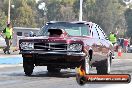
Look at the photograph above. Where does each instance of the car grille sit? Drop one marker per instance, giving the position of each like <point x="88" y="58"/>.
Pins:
<point x="50" y="46"/>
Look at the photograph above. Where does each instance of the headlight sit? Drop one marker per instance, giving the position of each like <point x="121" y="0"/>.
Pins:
<point x="27" y="45"/>
<point x="75" y="47"/>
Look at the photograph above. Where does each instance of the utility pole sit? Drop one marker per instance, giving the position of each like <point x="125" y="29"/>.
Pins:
<point x="9" y="11"/>
<point x="80" y="13"/>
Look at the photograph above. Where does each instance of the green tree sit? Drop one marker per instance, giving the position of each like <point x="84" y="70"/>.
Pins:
<point x="66" y="10"/>
<point x="54" y="10"/>
<point x="106" y="13"/>
<point x="3" y="21"/>
<point x="128" y="16"/>
<point x="23" y="14"/>
<point x="3" y="18"/>
<point x="109" y="14"/>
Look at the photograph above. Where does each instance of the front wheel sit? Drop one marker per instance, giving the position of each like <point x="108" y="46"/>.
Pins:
<point x="28" y="68"/>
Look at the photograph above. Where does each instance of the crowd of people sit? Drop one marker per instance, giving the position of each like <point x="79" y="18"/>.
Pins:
<point x="124" y="43"/>
<point x="121" y="42"/>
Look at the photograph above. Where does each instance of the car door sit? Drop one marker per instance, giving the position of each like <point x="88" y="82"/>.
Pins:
<point x="97" y="45"/>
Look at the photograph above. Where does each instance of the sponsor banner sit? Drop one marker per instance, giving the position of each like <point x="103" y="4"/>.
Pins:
<point x="111" y="78"/>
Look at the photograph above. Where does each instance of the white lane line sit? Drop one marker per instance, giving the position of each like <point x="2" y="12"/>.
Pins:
<point x="4" y="66"/>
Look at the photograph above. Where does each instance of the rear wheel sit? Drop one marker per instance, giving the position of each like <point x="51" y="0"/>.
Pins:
<point x="53" y="69"/>
<point x="28" y="67"/>
<point x="105" y="67"/>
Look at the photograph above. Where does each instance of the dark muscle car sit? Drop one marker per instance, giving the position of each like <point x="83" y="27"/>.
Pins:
<point x="61" y="45"/>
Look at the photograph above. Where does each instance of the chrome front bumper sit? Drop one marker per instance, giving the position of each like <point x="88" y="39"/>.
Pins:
<point x="54" y="53"/>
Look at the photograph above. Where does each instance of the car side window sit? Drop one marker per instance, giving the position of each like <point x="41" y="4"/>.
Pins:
<point x="100" y="32"/>
<point x="94" y="32"/>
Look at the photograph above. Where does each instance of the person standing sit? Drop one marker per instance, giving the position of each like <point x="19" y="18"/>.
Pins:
<point x="122" y="42"/>
<point x="113" y="38"/>
<point x="31" y="34"/>
<point x="126" y="43"/>
<point x="8" y="35"/>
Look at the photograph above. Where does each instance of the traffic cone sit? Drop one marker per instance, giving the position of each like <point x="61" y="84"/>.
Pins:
<point x="119" y="52"/>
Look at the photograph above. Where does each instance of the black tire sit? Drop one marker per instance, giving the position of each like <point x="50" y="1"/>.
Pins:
<point x="28" y="68"/>
<point x="81" y="80"/>
<point x="105" y="67"/>
<point x="53" y="69"/>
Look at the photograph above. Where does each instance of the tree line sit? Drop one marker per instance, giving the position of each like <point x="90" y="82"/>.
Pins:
<point x="111" y="15"/>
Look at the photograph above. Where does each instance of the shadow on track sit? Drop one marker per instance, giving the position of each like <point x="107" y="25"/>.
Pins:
<point x="62" y="74"/>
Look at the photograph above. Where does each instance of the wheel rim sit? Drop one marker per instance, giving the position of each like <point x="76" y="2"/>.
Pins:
<point x="87" y="67"/>
<point x="108" y="65"/>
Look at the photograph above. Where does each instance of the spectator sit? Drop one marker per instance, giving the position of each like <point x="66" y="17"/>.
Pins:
<point x="31" y="34"/>
<point x="126" y="43"/>
<point x="113" y="38"/>
<point x="8" y="35"/>
<point x="122" y="42"/>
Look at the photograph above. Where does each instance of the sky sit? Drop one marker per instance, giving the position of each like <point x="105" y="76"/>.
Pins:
<point x="37" y="1"/>
<point x="41" y="5"/>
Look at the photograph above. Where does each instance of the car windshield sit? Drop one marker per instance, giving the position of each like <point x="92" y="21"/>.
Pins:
<point x="73" y="29"/>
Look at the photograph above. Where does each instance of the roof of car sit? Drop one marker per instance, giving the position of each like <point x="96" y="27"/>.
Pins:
<point x="78" y="22"/>
<point x="22" y="28"/>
